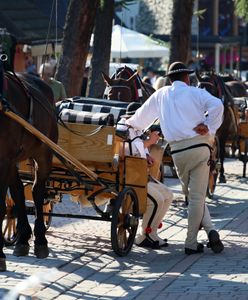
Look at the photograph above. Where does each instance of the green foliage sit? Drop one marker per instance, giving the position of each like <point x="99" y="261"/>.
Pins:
<point x="124" y="3"/>
<point x="160" y="42"/>
<point x="241" y="8"/>
<point x="199" y="13"/>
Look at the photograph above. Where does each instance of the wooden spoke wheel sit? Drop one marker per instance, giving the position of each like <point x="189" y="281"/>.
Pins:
<point x="47" y="208"/>
<point x="168" y="161"/>
<point x="214" y="170"/>
<point x="125" y="220"/>
<point x="9" y="223"/>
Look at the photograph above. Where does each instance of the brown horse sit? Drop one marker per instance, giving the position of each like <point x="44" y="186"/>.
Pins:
<point x="214" y="84"/>
<point x="237" y="88"/>
<point x="32" y="99"/>
<point x="126" y="85"/>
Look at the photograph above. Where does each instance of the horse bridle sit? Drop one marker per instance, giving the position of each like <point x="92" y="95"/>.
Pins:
<point x="111" y="87"/>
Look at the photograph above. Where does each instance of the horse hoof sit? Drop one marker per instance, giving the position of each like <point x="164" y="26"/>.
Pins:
<point x="222" y="180"/>
<point x="21" y="250"/>
<point x="3" y="267"/>
<point x="41" y="251"/>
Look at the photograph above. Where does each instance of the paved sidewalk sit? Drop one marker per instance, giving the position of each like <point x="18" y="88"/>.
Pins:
<point x="87" y="268"/>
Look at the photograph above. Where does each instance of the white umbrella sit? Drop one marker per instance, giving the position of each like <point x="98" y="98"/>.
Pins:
<point x="132" y="44"/>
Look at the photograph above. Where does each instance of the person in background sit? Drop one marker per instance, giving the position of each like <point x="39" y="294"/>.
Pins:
<point x="146" y="79"/>
<point x="160" y="82"/>
<point x="159" y="197"/>
<point x="31" y="67"/>
<point x="181" y="110"/>
<point x="46" y="73"/>
<point x="152" y="76"/>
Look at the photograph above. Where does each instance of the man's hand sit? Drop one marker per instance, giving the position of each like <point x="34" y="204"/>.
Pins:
<point x="201" y="129"/>
<point x="150" y="160"/>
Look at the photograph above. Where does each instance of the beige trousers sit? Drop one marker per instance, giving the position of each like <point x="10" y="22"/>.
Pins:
<point x="158" y="202"/>
<point x="193" y="171"/>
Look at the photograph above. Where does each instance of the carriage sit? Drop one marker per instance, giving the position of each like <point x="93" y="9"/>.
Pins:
<point x="89" y="164"/>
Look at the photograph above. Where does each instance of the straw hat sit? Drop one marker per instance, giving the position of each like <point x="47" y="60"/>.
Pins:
<point x="178" y="67"/>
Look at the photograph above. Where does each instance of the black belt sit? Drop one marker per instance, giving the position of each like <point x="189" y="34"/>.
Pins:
<point x="192" y="147"/>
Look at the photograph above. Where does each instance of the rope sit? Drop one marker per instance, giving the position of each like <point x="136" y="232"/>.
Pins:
<point x="48" y="34"/>
<point x="56" y="27"/>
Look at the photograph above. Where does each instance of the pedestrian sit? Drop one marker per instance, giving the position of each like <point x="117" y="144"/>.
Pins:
<point x="159" y="197"/>
<point x="181" y="110"/>
<point x="160" y="82"/>
<point x="152" y="75"/>
<point x="46" y="73"/>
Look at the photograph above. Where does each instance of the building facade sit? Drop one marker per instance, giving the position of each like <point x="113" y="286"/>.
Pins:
<point x="217" y="36"/>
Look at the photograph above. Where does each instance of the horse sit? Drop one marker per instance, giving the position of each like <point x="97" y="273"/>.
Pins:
<point x="228" y="130"/>
<point x="126" y="85"/>
<point x="237" y="88"/>
<point x="32" y="99"/>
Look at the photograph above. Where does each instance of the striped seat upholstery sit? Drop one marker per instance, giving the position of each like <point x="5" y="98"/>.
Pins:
<point x="86" y="117"/>
<point x="95" y="107"/>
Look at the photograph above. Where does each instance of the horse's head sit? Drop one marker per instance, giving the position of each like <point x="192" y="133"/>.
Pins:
<point x="215" y="85"/>
<point x="126" y="85"/>
<point x="121" y="89"/>
<point x="210" y="82"/>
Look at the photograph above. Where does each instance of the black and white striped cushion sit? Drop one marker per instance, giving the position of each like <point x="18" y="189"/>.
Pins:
<point x="105" y="102"/>
<point x="85" y="117"/>
<point x="117" y="112"/>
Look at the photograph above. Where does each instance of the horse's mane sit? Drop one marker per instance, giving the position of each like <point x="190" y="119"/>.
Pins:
<point x="219" y="84"/>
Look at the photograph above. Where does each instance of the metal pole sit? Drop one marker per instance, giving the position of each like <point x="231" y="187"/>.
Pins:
<point x="217" y="57"/>
<point x="231" y="59"/>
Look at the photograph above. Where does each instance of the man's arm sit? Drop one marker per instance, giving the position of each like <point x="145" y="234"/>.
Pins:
<point x="215" y="110"/>
<point x="146" y="114"/>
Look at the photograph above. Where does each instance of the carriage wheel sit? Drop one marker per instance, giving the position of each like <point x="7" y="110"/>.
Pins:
<point x="213" y="174"/>
<point x="47" y="208"/>
<point x="168" y="161"/>
<point x="9" y="223"/>
<point x="125" y="220"/>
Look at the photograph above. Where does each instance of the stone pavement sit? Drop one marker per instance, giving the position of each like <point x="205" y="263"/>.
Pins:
<point x="87" y="268"/>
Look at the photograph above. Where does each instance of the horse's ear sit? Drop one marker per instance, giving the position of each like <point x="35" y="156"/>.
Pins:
<point x="106" y="78"/>
<point x="133" y="77"/>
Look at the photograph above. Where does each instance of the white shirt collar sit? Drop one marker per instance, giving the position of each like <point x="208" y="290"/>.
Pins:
<point x="179" y="83"/>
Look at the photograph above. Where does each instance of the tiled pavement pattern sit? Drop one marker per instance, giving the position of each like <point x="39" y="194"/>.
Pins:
<point x="87" y="268"/>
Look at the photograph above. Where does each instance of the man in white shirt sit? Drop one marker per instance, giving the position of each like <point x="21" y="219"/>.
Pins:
<point x="181" y="110"/>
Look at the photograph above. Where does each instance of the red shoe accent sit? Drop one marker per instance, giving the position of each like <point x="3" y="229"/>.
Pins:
<point x="160" y="225"/>
<point x="148" y="230"/>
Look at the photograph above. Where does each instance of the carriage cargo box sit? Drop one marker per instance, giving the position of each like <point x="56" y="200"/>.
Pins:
<point x="93" y="143"/>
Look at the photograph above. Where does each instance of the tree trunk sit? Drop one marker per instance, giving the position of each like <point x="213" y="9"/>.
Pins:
<point x="79" y="25"/>
<point x="101" y="48"/>
<point x="181" y="30"/>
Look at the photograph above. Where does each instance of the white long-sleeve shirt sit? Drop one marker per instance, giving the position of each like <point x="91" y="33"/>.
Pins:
<point x="179" y="108"/>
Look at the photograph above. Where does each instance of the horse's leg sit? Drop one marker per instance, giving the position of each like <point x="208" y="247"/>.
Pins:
<point x="3" y="191"/>
<point x="222" y="178"/>
<point x="23" y="228"/>
<point x="42" y="166"/>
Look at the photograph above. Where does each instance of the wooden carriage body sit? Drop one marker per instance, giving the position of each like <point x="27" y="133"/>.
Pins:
<point x="99" y="149"/>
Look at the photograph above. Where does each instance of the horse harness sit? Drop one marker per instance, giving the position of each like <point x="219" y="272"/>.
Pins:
<point x="24" y="87"/>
